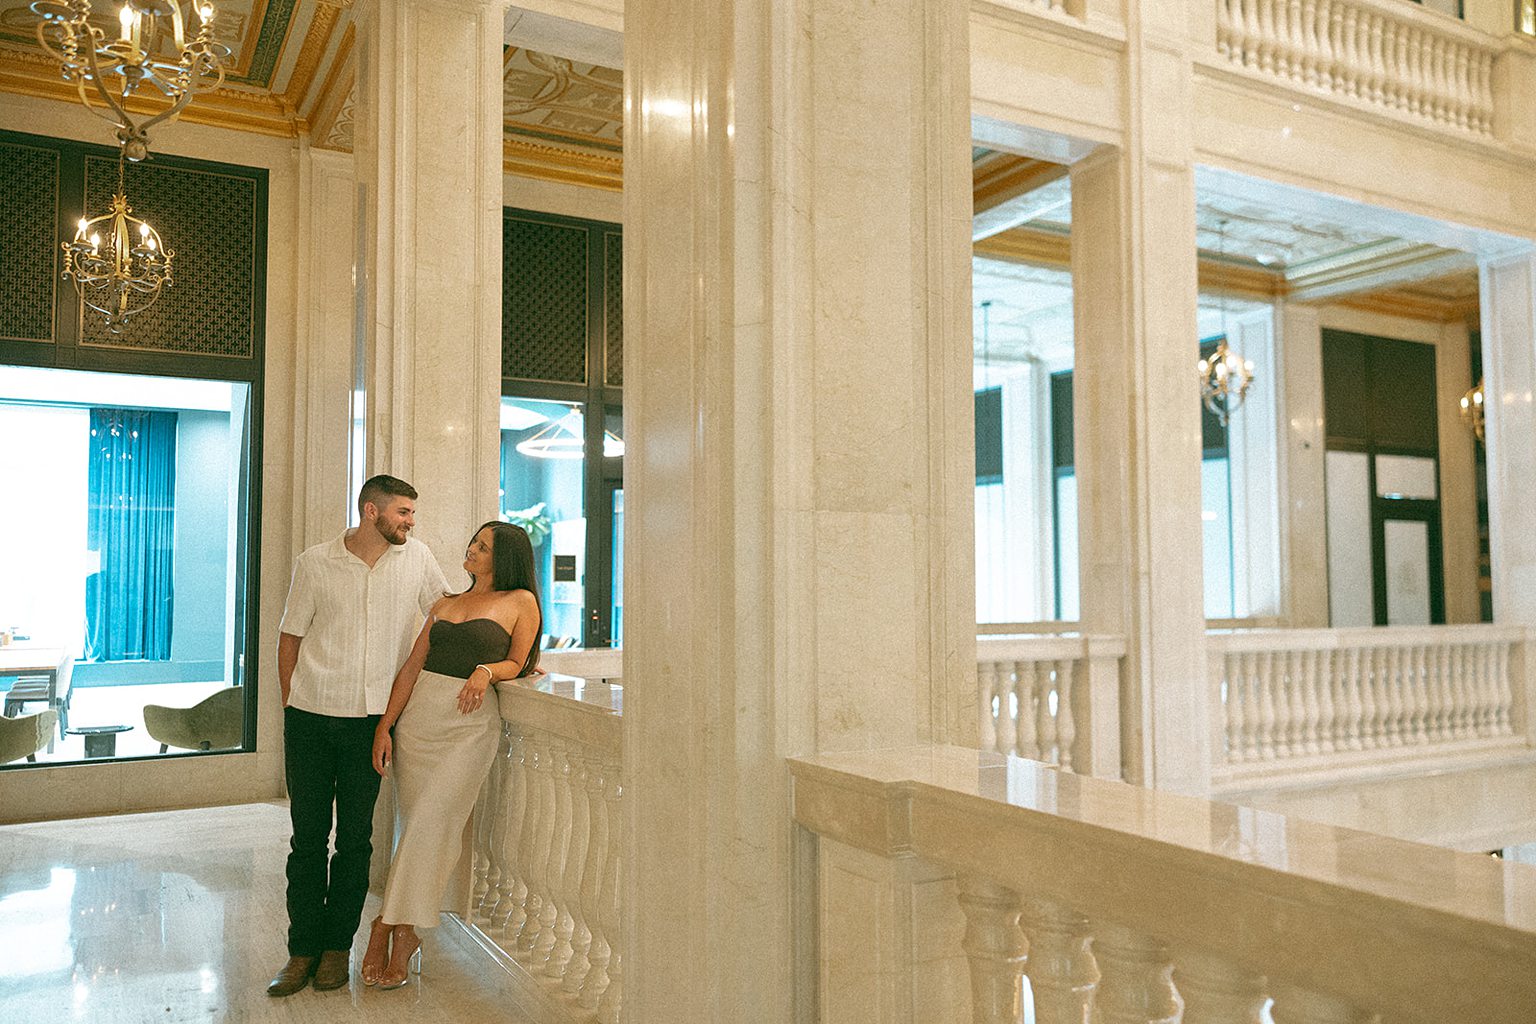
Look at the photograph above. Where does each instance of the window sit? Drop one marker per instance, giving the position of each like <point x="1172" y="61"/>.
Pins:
<point x="124" y="541"/>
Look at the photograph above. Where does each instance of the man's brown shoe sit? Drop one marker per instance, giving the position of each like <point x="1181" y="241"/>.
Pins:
<point x="294" y="976"/>
<point x="334" y="969"/>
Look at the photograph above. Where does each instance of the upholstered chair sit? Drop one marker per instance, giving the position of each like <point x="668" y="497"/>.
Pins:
<point x="25" y="735"/>
<point x="214" y="723"/>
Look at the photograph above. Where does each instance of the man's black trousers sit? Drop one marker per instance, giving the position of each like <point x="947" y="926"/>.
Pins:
<point x="329" y="764"/>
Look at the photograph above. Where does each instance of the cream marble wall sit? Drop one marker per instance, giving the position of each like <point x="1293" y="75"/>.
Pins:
<point x="560" y="198"/>
<point x="87" y="789"/>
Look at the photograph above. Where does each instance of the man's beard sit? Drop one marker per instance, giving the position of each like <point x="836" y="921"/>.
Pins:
<point x="395" y="537"/>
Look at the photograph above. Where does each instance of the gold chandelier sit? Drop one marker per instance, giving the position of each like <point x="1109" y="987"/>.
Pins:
<point x="1473" y="413"/>
<point x="1226" y="376"/>
<point x="117" y="262"/>
<point x="107" y="75"/>
<point x="1224" y="381"/>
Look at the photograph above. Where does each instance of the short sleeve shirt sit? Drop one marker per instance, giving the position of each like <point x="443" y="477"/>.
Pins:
<point x="358" y="623"/>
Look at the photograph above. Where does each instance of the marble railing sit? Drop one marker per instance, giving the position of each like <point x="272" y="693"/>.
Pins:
<point x="547" y="843"/>
<point x="1385" y="53"/>
<point x="1297" y="696"/>
<point x="1053" y="699"/>
<point x="946" y="877"/>
<point x="605" y="663"/>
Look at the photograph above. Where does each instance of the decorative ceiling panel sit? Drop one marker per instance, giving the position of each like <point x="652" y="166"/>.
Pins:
<point x="562" y="102"/>
<point x="254" y="31"/>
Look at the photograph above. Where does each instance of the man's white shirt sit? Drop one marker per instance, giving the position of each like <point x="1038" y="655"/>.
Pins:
<point x="358" y="623"/>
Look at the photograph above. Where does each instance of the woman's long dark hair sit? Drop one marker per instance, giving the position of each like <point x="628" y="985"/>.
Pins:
<point x="512" y="568"/>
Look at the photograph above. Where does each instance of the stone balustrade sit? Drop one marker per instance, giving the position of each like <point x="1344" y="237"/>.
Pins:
<point x="547" y="842"/>
<point x="1384" y="53"/>
<point x="1328" y="697"/>
<point x="601" y="663"/>
<point x="1052" y="698"/>
<point x="954" y="886"/>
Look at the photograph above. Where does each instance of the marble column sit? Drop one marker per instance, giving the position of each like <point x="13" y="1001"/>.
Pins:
<point x="799" y="460"/>
<point x="428" y="152"/>
<point x="1508" y="293"/>
<point x="1137" y="404"/>
<point x="1305" y="451"/>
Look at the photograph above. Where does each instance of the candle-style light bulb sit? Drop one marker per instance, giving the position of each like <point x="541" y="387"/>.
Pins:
<point x="125" y="18"/>
<point x="150" y="242"/>
<point x="205" y="13"/>
<point x="84" y="224"/>
<point x="95" y="240"/>
<point x="143" y="230"/>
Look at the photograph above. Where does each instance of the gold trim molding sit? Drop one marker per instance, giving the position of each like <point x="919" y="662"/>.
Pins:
<point x="551" y="163"/>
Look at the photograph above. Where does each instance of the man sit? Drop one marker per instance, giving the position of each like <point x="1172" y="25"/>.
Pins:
<point x="354" y="608"/>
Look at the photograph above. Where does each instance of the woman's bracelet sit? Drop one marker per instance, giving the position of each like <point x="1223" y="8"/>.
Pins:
<point x="488" y="673"/>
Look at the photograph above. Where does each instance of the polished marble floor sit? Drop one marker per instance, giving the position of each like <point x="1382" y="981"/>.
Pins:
<point x="177" y="917"/>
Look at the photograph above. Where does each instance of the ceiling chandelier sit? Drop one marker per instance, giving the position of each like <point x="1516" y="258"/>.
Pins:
<point x="117" y="262"/>
<point x="1473" y="412"/>
<point x="109" y="74"/>
<point x="1225" y="376"/>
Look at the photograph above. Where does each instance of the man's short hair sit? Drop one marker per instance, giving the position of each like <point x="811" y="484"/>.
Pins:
<point x="377" y="488"/>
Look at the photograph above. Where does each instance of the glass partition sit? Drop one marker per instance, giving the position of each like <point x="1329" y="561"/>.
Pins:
<point x="123" y="537"/>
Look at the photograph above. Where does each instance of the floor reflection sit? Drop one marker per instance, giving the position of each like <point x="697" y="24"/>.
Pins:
<point x="179" y="916"/>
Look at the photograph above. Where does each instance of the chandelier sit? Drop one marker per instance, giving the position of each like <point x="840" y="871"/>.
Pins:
<point x="109" y="74"/>
<point x="117" y="262"/>
<point x="1472" y="412"/>
<point x="1225" y="376"/>
<point x="563" y="439"/>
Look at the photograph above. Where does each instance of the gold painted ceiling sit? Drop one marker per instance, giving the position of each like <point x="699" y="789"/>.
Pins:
<point x="293" y="71"/>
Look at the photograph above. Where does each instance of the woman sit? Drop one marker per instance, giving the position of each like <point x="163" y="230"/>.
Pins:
<point x="446" y="733"/>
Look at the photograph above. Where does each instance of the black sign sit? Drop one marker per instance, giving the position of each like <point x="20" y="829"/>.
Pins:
<point x="565" y="568"/>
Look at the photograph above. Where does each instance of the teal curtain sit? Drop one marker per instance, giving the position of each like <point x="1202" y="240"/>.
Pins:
<point x="132" y="524"/>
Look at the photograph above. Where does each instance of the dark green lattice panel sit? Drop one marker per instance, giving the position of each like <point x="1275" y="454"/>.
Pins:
<point x="29" y="201"/>
<point x="613" y="309"/>
<point x="208" y="220"/>
<point x="543" y="301"/>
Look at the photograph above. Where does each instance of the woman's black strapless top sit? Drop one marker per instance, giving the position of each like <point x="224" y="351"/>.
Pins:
<point x="457" y="647"/>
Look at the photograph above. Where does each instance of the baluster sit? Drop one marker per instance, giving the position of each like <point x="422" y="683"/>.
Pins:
<point x="576" y="965"/>
<point x="1504" y="698"/>
<point x="1350" y="37"/>
<point x="1264" y="680"/>
<point x="1487" y="699"/>
<point x="1045" y="727"/>
<point x="1371" y="661"/>
<point x="994" y="947"/>
<point x="1232" y="708"/>
<point x="1461" y="692"/>
<point x="1419" y="56"/>
<point x="508" y="914"/>
<point x="1253" y="34"/>
<point x="1300" y="1006"/>
<point x="1062" y="972"/>
<point x="1335" y="29"/>
<point x="989" y="705"/>
<point x="1327" y="722"/>
<point x="1311" y="690"/>
<point x="1445" y="63"/>
<point x="1224" y="28"/>
<point x="1311" y="43"/>
<point x="496" y="873"/>
<point x="1397" y="703"/>
<point x="535" y="847"/>
<point x="1217" y="991"/>
<point x="1462" y="86"/>
<point x="610" y="1005"/>
<point x="1066" y="721"/>
<point x="1391" y="81"/>
<point x="1007" y="713"/>
<point x="485" y="805"/>
<point x="1485" y="92"/>
<point x="1296" y="703"/>
<point x="1135" y="978"/>
<point x="1354" y="703"/>
<point x="1376" y="61"/>
<point x="1280" y="697"/>
<point x="1429" y="667"/>
<point x="555" y="935"/>
<point x="1253" y="714"/>
<point x="1026" y="688"/>
<point x="1445" y="712"/>
<point x="598" y="851"/>
<point x="1295" y="47"/>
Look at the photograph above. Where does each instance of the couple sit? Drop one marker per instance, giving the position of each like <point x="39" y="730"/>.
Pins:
<point x="359" y="696"/>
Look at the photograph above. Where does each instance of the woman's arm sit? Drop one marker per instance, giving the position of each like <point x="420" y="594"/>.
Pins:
<point x="520" y="607"/>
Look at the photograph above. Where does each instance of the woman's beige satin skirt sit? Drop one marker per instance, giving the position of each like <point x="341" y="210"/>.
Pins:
<point x="441" y="759"/>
